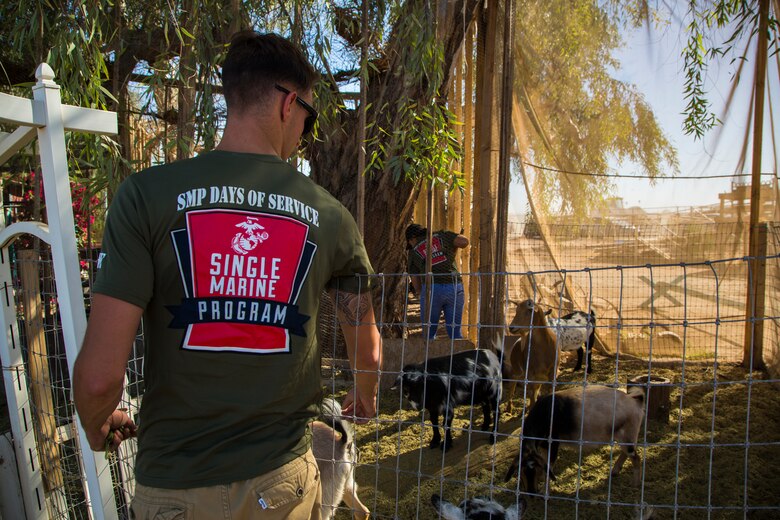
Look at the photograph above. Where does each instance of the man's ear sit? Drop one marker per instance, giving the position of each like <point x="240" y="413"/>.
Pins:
<point x="287" y="105"/>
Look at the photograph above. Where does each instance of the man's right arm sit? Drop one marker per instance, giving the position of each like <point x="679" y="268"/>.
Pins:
<point x="99" y="370"/>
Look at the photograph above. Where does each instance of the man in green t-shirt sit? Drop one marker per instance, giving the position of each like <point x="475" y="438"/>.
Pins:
<point x="225" y="256"/>
<point x="447" y="295"/>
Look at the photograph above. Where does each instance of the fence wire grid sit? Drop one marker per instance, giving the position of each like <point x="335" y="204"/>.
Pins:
<point x="710" y="431"/>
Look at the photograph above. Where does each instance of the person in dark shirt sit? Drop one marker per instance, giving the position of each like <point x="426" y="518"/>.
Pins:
<point x="447" y="294"/>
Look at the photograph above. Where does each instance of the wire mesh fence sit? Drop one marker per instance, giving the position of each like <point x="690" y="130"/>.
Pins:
<point x="40" y="335"/>
<point x="676" y="330"/>
<point x="707" y="423"/>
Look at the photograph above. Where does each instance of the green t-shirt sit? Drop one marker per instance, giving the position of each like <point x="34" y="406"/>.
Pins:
<point x="442" y="260"/>
<point x="228" y="255"/>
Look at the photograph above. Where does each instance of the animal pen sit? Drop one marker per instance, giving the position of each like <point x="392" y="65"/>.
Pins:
<point x="686" y="306"/>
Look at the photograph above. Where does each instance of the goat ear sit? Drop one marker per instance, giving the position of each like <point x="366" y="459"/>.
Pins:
<point x="549" y="311"/>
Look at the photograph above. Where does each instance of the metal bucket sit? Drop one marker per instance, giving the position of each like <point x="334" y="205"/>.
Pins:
<point x="658" y="391"/>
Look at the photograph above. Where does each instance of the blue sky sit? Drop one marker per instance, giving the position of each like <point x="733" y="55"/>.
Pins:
<point x="652" y="61"/>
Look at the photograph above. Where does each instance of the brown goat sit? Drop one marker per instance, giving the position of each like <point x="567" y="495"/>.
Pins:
<point x="592" y="417"/>
<point x="534" y="357"/>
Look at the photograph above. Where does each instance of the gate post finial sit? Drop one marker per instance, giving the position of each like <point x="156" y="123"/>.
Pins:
<point x="44" y="74"/>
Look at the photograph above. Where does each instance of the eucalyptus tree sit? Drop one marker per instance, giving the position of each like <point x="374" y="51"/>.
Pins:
<point x="411" y="138"/>
<point x="718" y="29"/>
<point x="157" y="64"/>
<point x="580" y="117"/>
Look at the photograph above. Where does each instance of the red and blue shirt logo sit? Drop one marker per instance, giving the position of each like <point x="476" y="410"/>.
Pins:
<point x="438" y="255"/>
<point x="242" y="274"/>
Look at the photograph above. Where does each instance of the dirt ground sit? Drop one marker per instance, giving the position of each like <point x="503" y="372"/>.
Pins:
<point x="714" y="458"/>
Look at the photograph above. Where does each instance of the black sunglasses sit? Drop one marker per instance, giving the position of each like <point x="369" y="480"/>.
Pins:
<point x="308" y="123"/>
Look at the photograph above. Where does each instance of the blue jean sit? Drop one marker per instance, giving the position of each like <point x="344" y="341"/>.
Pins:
<point x="447" y="298"/>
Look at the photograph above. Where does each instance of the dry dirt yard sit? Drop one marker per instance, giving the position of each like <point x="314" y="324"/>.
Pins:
<point x="695" y="461"/>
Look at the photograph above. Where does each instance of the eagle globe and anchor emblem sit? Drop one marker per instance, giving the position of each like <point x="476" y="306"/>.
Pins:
<point x="252" y="236"/>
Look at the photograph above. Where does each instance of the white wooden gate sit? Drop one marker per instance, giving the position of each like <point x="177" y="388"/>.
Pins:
<point x="47" y="118"/>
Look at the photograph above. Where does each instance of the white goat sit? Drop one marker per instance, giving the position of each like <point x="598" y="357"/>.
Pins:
<point x="333" y="444"/>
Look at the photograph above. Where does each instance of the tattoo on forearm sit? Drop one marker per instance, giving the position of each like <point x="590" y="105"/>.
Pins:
<point x="354" y="307"/>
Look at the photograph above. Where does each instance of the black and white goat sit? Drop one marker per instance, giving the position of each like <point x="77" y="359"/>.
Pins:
<point x="571" y="332"/>
<point x="574" y="330"/>
<point x="477" y="509"/>
<point x="591" y="416"/>
<point x="472" y="377"/>
<point x="333" y="445"/>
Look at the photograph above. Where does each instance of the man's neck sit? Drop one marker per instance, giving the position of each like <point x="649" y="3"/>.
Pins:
<point x="246" y="137"/>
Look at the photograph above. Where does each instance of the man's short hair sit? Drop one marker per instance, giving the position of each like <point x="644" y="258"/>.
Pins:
<point x="256" y="62"/>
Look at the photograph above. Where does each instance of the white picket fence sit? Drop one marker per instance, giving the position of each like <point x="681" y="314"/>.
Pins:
<point x="45" y="117"/>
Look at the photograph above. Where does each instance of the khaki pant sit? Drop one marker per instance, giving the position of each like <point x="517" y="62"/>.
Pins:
<point x="291" y="492"/>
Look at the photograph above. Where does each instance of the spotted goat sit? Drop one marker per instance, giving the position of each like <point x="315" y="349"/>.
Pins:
<point x="572" y="331"/>
<point x="477" y="509"/>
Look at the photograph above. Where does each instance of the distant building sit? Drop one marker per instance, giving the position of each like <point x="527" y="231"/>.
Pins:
<point x="737" y="202"/>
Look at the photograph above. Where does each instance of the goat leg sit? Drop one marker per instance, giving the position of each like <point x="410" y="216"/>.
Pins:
<point x="436" y="441"/>
<point x="486" y="416"/>
<point x="554" y="451"/>
<point x="359" y="510"/>
<point x="447" y="424"/>
<point x="534" y="390"/>
<point x="487" y="409"/>
<point x="512" y="471"/>
<point x="636" y="462"/>
<point x="509" y="394"/>
<point x="579" y="359"/>
<point x="619" y="462"/>
<point x="589" y="349"/>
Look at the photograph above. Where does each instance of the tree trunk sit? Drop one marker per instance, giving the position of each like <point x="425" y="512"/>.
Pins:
<point x="389" y="206"/>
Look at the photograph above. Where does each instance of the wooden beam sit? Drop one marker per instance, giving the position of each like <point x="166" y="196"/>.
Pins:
<point x="360" y="210"/>
<point x="754" y="313"/>
<point x="45" y="422"/>
<point x="469" y="287"/>
<point x="471" y="142"/>
<point x="488" y="159"/>
<point x="505" y="137"/>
